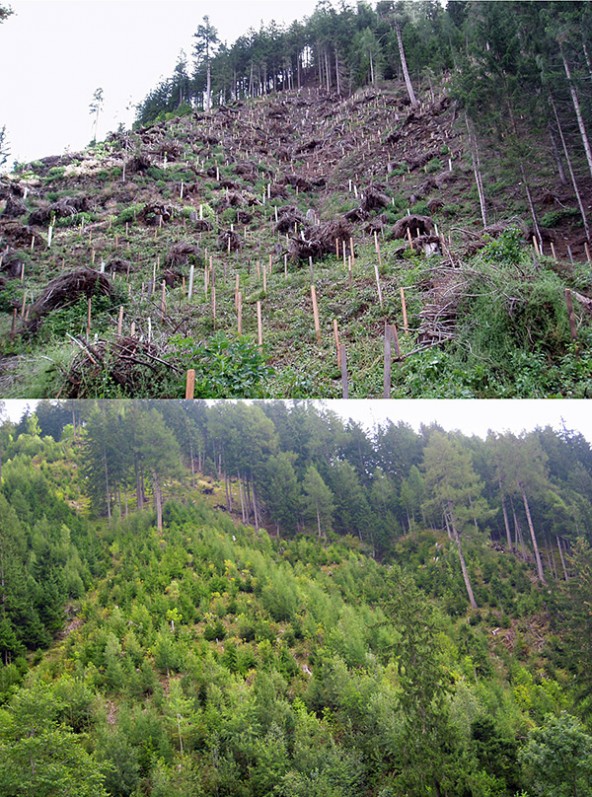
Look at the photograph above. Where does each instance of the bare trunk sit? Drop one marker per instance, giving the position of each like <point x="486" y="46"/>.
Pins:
<point x="408" y="84"/>
<point x="337" y="73"/>
<point x="157" y="490"/>
<point x="209" y="88"/>
<point x="578" y="110"/>
<point x="537" y="556"/>
<point x="535" y="222"/>
<point x="463" y="565"/>
<point x="557" y="157"/>
<point x="506" y="522"/>
<point x="242" y="499"/>
<point x="477" y="170"/>
<point x="255" y="508"/>
<point x="562" y="557"/>
<point x="572" y="176"/>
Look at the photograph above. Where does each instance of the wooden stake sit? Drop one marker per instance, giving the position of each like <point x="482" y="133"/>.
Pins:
<point x="344" y="382"/>
<point x="404" y="309"/>
<point x="89" y="317"/>
<point x="191" y="277"/>
<point x="214" y="303"/>
<point x="377" y="247"/>
<point x="259" y="325"/>
<point x="315" y="311"/>
<point x="13" y="326"/>
<point x="553" y="252"/>
<point x="387" y="362"/>
<point x="535" y="243"/>
<point x="351" y="246"/>
<point x="378" y="285"/>
<point x="572" y="318"/>
<point x="239" y="312"/>
<point x="120" y="322"/>
<point x="587" y="248"/>
<point x="236" y="290"/>
<point x="336" y="338"/>
<point x="163" y="300"/>
<point x="190" y="384"/>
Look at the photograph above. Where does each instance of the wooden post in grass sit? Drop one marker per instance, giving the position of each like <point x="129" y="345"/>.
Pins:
<point x="93" y="255"/>
<point x="163" y="300"/>
<point x="133" y="329"/>
<point x="404" y="309"/>
<point x="315" y="312"/>
<point x="535" y="243"/>
<point x="344" y="382"/>
<point x="587" y="248"/>
<point x="32" y="243"/>
<point x="89" y="317"/>
<point x="378" y="285"/>
<point x="553" y="252"/>
<point x="377" y="247"/>
<point x="351" y="246"/>
<point x="311" y="268"/>
<point x="336" y="338"/>
<point x="344" y="256"/>
<point x="49" y="235"/>
<point x="191" y="278"/>
<point x="236" y="289"/>
<point x="22" y="272"/>
<point x="264" y="280"/>
<point x="572" y="318"/>
<point x="239" y="312"/>
<point x="259" y="325"/>
<point x="190" y="384"/>
<point x="337" y="248"/>
<point x="409" y="237"/>
<point x="391" y="338"/>
<point x="120" y="322"/>
<point x="13" y="325"/>
<point x="214" y="304"/>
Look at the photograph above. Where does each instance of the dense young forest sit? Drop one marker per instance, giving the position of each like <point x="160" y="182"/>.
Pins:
<point x="266" y="599"/>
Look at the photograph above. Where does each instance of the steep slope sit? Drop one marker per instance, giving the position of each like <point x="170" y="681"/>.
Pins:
<point x="361" y="197"/>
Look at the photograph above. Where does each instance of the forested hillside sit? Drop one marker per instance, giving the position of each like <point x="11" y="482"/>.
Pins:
<point x="389" y="200"/>
<point x="265" y="599"/>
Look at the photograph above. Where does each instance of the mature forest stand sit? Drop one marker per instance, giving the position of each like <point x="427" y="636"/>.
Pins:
<point x="154" y="641"/>
<point x="389" y="201"/>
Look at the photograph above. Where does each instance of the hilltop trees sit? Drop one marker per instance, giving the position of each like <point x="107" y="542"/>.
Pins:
<point x="206" y="42"/>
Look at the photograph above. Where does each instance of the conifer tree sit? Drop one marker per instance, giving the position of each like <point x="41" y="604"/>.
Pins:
<point x="206" y="42"/>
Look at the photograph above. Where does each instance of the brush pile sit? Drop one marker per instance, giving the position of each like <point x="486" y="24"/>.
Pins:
<point x="66" y="290"/>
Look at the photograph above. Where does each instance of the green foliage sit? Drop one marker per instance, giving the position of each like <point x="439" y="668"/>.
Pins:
<point x="224" y="367"/>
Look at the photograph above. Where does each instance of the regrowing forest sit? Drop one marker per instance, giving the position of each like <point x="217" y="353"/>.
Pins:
<point x="267" y="600"/>
<point x="388" y="199"/>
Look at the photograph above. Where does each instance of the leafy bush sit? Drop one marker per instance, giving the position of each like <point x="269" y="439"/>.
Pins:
<point x="224" y="368"/>
<point x="555" y="217"/>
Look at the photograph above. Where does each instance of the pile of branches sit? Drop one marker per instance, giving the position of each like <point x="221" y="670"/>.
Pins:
<point x="288" y="216"/>
<point x="134" y="366"/>
<point x="66" y="290"/>
<point x="14" y="208"/>
<point x="118" y="265"/>
<point x="319" y="241"/>
<point x="416" y="225"/>
<point x="11" y="263"/>
<point x="445" y="292"/>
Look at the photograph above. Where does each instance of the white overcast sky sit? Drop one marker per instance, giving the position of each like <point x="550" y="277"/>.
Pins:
<point x="472" y="417"/>
<point x="55" y="53"/>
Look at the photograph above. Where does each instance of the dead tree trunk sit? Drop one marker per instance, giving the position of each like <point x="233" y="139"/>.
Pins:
<point x="578" y="111"/>
<point x="463" y="565"/>
<point x="403" y="59"/>
<point x="572" y="176"/>
<point x="537" y="556"/>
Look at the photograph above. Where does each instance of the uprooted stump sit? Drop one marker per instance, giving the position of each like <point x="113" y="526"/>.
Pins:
<point x="228" y="240"/>
<point x="118" y="265"/>
<point x="66" y="290"/>
<point x="417" y="225"/>
<point x="182" y="254"/>
<point x="11" y="263"/>
<point x="63" y="208"/>
<point x="14" y="208"/>
<point x="155" y="214"/>
<point x="319" y="241"/>
<point x="19" y="235"/>
<point x="127" y="362"/>
<point x="373" y="199"/>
